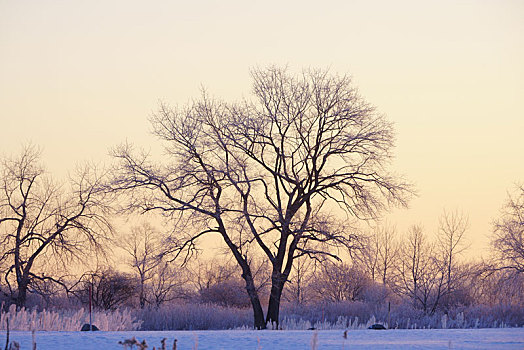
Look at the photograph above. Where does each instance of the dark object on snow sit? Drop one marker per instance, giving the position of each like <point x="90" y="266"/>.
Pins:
<point x="377" y="326"/>
<point x="85" y="328"/>
<point x="345" y="334"/>
<point x="311" y="329"/>
<point x="14" y="345"/>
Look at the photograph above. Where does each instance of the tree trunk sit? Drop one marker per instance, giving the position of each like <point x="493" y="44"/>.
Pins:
<point x="21" y="297"/>
<point x="279" y="278"/>
<point x="142" y="296"/>
<point x="258" y="313"/>
<point x="273" y="309"/>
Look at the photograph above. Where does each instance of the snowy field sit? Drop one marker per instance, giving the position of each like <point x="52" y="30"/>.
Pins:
<point x="505" y="338"/>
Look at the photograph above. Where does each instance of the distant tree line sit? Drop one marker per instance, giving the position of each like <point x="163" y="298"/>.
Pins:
<point x="427" y="274"/>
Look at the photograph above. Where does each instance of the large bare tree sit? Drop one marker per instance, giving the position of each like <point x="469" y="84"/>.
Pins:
<point x="268" y="174"/>
<point x="42" y="221"/>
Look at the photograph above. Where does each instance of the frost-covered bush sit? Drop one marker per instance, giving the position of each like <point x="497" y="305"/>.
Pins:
<point x="402" y="315"/>
<point x="328" y="312"/>
<point x="194" y="316"/>
<point x="500" y="315"/>
<point x="322" y="316"/>
<point x="228" y="293"/>
<point x="67" y="320"/>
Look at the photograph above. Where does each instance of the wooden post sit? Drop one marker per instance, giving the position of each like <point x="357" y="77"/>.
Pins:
<point x="7" y="339"/>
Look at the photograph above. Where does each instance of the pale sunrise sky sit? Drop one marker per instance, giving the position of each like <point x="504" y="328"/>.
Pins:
<point x="78" y="77"/>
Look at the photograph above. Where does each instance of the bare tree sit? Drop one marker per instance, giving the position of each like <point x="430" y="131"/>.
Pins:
<point x="42" y="221"/>
<point x="144" y="250"/>
<point x="110" y="289"/>
<point x="301" y="277"/>
<point x="338" y="282"/>
<point x="313" y="140"/>
<point x="491" y="286"/>
<point x="208" y="273"/>
<point x="367" y="255"/>
<point x="388" y="252"/>
<point x="167" y="283"/>
<point x="379" y="253"/>
<point x="420" y="274"/>
<point x="450" y="239"/>
<point x="261" y="173"/>
<point x="508" y="240"/>
<point x="158" y="280"/>
<point x="218" y="282"/>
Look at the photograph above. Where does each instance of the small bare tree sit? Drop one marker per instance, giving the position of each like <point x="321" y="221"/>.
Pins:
<point x="158" y="280"/>
<point x="492" y="286"/>
<point x="109" y="289"/>
<point x="388" y="252"/>
<point x="143" y="249"/>
<point x="339" y="282"/>
<point x="450" y="244"/>
<point x="218" y="282"/>
<point x="379" y="253"/>
<point x="42" y="221"/>
<point x="367" y="255"/>
<point x="302" y="275"/>
<point x="167" y="283"/>
<point x="420" y="274"/>
<point x="508" y="240"/>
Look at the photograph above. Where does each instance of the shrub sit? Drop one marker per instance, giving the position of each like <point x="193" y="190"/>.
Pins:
<point x="67" y="320"/>
<point x="194" y="316"/>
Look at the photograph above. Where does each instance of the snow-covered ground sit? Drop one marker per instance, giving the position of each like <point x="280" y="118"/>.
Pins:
<point x="505" y="338"/>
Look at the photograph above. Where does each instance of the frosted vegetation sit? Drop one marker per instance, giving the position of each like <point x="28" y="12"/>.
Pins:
<point x="326" y="316"/>
<point x="67" y="320"/>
